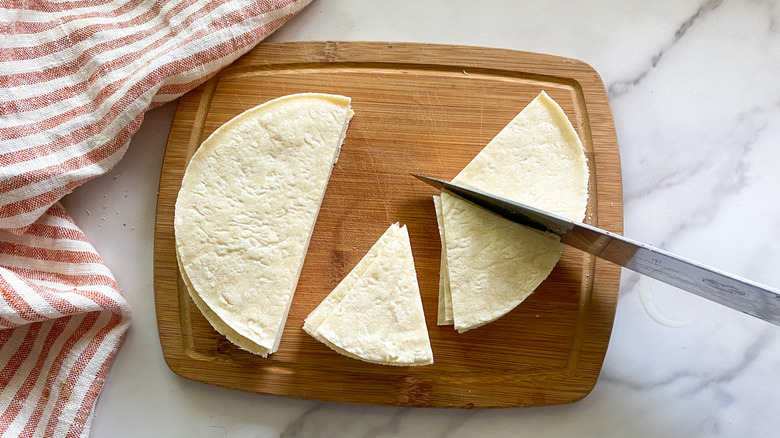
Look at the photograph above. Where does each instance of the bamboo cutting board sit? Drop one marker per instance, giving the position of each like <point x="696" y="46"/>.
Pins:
<point x="418" y="108"/>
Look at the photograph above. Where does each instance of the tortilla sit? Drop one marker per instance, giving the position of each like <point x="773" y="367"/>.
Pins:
<point x="326" y="307"/>
<point x="494" y="264"/>
<point x="247" y="207"/>
<point x="445" y="295"/>
<point x="381" y="318"/>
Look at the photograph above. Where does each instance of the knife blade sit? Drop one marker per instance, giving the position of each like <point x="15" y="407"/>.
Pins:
<point x="721" y="287"/>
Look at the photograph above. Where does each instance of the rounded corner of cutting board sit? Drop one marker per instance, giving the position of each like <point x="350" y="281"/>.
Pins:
<point x="384" y="114"/>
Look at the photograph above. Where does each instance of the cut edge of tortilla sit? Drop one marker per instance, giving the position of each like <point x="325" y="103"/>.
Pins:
<point x="444" y="315"/>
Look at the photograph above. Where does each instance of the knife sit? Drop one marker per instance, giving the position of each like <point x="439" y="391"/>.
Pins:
<point x="729" y="290"/>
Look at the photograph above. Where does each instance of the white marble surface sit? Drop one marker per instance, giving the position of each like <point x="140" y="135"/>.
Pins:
<point x="695" y="91"/>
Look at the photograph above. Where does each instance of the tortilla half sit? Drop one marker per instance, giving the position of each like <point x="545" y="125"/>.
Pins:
<point x="246" y="211"/>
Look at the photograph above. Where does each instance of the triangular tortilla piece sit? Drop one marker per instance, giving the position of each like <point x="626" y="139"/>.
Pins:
<point x="537" y="159"/>
<point x="444" y="316"/>
<point x="381" y="319"/>
<point x="331" y="302"/>
<point x="326" y="307"/>
<point x="247" y="207"/>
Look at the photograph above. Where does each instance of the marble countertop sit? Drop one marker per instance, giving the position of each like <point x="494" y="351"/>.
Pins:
<point x="695" y="95"/>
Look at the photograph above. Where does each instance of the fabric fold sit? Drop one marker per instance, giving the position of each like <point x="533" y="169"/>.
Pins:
<point x="62" y="319"/>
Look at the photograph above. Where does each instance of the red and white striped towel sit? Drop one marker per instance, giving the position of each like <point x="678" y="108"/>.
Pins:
<point x="76" y="77"/>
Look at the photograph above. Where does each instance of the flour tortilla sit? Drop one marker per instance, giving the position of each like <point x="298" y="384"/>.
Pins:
<point x="493" y="264"/>
<point x="223" y="329"/>
<point x="329" y="304"/>
<point x="444" y="316"/>
<point x="247" y="207"/>
<point x="381" y="319"/>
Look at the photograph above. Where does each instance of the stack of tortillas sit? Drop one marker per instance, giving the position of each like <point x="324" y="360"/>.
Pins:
<point x="489" y="264"/>
<point x="375" y="314"/>
<point x="246" y="210"/>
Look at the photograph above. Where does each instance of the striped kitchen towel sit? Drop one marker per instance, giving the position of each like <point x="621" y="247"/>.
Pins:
<point x="62" y="318"/>
<point x="75" y="80"/>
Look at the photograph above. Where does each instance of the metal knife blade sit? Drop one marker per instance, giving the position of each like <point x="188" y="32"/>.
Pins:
<point x="721" y="287"/>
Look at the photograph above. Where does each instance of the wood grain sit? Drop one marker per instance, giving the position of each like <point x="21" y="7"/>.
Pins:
<point x="418" y="108"/>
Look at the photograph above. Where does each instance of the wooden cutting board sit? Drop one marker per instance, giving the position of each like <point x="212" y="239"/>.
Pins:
<point x="418" y="108"/>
